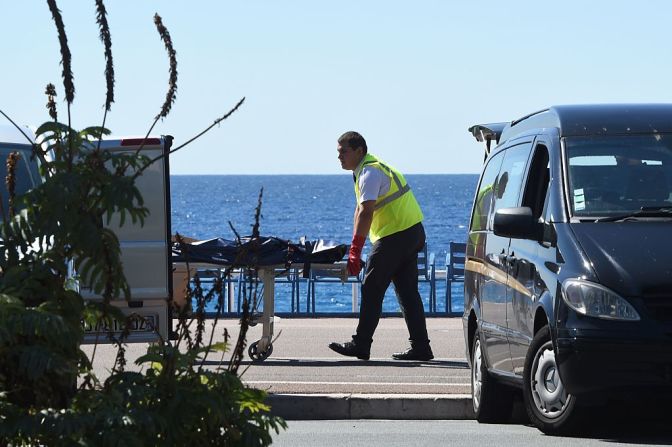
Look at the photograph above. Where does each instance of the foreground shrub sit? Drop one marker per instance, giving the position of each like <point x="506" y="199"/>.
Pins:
<point x="49" y="394"/>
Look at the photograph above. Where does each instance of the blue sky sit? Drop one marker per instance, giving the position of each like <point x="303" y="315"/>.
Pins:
<point x="410" y="76"/>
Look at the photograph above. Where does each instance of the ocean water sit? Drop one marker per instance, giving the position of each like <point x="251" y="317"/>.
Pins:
<point x="317" y="207"/>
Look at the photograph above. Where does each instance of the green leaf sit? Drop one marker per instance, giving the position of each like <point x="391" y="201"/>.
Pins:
<point x="9" y="300"/>
<point x="219" y="347"/>
<point x="51" y="126"/>
<point x="150" y="357"/>
<point x="94" y="132"/>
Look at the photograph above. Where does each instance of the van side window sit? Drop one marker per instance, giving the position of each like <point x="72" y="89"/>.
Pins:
<point x="483" y="204"/>
<point x="538" y="178"/>
<point x="508" y="185"/>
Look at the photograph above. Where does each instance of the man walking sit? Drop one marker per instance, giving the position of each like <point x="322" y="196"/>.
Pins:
<point x="388" y="213"/>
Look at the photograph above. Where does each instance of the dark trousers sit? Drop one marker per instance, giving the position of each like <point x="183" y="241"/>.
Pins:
<point x="394" y="258"/>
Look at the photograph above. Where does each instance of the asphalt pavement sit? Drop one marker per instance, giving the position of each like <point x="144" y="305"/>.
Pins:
<point x="403" y="433"/>
<point x="307" y="380"/>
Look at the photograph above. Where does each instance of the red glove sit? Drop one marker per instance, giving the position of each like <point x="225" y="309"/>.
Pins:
<point x="355" y="255"/>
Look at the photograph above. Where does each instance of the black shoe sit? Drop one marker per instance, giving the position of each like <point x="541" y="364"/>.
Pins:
<point x="351" y="349"/>
<point x="412" y="353"/>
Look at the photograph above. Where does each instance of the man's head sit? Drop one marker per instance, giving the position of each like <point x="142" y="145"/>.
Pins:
<point x="351" y="150"/>
<point x="501" y="185"/>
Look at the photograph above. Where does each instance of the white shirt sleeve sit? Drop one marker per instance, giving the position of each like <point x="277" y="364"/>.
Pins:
<point x="373" y="183"/>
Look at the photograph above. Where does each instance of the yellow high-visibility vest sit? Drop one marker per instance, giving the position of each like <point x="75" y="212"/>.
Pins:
<point x="394" y="211"/>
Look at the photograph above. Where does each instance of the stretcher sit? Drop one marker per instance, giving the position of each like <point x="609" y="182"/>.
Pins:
<point x="261" y="349"/>
<point x="270" y="257"/>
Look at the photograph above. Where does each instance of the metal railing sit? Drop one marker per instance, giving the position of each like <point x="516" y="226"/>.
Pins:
<point x="296" y="296"/>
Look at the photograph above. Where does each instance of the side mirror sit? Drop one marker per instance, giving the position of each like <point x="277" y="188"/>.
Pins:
<point x="517" y="223"/>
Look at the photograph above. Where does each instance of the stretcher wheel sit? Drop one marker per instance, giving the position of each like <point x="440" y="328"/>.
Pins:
<point x="254" y="320"/>
<point x="259" y="356"/>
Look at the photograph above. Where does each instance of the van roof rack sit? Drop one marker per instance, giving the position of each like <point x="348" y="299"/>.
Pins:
<point x="487" y="133"/>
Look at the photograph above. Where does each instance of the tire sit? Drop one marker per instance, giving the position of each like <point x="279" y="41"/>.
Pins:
<point x="550" y="408"/>
<point x="492" y="401"/>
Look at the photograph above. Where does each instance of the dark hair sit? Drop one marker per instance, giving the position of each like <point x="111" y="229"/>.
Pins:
<point x="353" y="140"/>
<point x="501" y="184"/>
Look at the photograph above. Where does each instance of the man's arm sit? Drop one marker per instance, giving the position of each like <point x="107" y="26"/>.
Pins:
<point x="363" y="218"/>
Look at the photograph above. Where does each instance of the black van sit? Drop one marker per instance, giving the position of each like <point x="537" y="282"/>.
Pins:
<point x="568" y="284"/>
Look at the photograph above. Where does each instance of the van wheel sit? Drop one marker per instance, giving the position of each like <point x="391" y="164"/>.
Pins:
<point x="550" y="408"/>
<point x="492" y="401"/>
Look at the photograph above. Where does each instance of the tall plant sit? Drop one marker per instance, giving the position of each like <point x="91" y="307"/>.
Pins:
<point x="49" y="394"/>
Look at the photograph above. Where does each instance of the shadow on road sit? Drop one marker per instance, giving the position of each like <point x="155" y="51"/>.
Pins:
<point x="340" y="363"/>
<point x="645" y="421"/>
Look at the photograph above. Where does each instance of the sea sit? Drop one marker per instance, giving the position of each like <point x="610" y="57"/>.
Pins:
<point x="317" y="207"/>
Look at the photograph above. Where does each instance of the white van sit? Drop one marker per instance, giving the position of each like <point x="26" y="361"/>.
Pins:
<point x="145" y="250"/>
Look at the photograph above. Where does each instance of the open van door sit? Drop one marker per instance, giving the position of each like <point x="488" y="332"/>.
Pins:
<point x="145" y="249"/>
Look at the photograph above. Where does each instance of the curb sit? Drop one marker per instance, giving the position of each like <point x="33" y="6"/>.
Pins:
<point x="371" y="406"/>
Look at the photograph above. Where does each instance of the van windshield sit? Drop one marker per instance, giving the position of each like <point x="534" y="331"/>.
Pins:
<point x="27" y="174"/>
<point x="616" y="175"/>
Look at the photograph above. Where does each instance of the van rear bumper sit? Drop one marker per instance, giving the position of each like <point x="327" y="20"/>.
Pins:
<point x="589" y="364"/>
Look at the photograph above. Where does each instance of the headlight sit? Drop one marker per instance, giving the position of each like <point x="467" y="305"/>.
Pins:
<point x="595" y="300"/>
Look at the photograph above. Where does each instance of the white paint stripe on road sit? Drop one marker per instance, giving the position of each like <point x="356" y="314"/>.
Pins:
<point x="298" y="382"/>
<point x="436" y="361"/>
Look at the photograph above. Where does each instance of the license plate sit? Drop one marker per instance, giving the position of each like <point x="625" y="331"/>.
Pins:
<point x="148" y="323"/>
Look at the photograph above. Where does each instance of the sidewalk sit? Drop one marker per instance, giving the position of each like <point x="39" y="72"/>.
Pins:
<point x="306" y="380"/>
